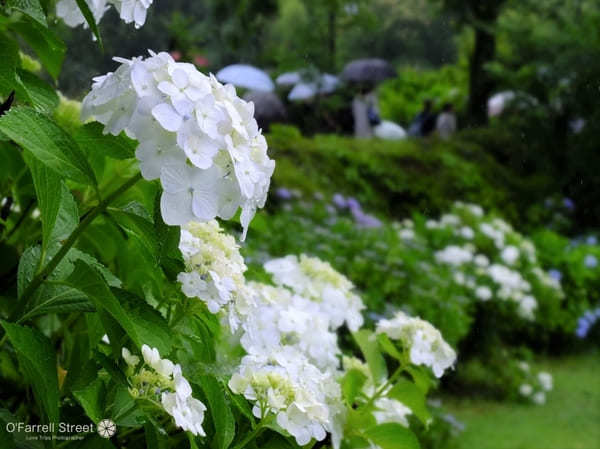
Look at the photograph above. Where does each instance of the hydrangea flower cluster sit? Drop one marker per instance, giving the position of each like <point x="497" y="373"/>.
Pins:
<point x="214" y="267"/>
<point x="196" y="135"/>
<point x="486" y="256"/>
<point x="423" y="342"/>
<point x="587" y="322"/>
<point x="318" y="281"/>
<point x="130" y="11"/>
<point x="287" y="385"/>
<point x="535" y="386"/>
<point x="161" y="380"/>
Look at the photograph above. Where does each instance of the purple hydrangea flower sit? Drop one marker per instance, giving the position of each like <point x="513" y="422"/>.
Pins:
<point x="339" y="201"/>
<point x="568" y="203"/>
<point x="555" y="274"/>
<point x="592" y="240"/>
<point x="591" y="261"/>
<point x="283" y="194"/>
<point x="353" y="204"/>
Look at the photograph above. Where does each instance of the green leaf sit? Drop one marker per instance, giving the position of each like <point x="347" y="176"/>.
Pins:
<point x="150" y="325"/>
<point x="59" y="299"/>
<point x="422" y="378"/>
<point x="9" y="55"/>
<point x="49" y="48"/>
<point x="90" y="281"/>
<point x="67" y="218"/>
<point x="410" y="395"/>
<point x="367" y="342"/>
<point x="37" y="359"/>
<point x="42" y="96"/>
<point x="134" y="223"/>
<point x="166" y="236"/>
<point x="32" y="8"/>
<point x="27" y="267"/>
<point x="392" y="436"/>
<point x="352" y="384"/>
<point x="47" y="185"/>
<point x="38" y="134"/>
<point x="388" y="347"/>
<point x="91" y="21"/>
<point x="92" y="140"/>
<point x="220" y="410"/>
<point x="91" y="399"/>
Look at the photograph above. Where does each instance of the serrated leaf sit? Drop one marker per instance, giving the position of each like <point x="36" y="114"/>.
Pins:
<point x="32" y="8"/>
<point x="38" y="134"/>
<point x="49" y="48"/>
<point x="352" y="384"/>
<point x="220" y="410"/>
<point x="388" y="347"/>
<point x="91" y="21"/>
<point x="47" y="184"/>
<point x="37" y="360"/>
<point x="92" y="399"/>
<point x="59" y="299"/>
<point x="9" y="55"/>
<point x="27" y="267"/>
<point x="392" y="436"/>
<point x="90" y="281"/>
<point x="134" y="223"/>
<point x="91" y="139"/>
<point x="151" y="327"/>
<point x="41" y="95"/>
<point x="369" y="347"/>
<point x="410" y="395"/>
<point x="67" y="218"/>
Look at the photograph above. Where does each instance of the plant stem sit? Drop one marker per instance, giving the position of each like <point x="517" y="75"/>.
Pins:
<point x="49" y="268"/>
<point x="251" y="436"/>
<point x="384" y="387"/>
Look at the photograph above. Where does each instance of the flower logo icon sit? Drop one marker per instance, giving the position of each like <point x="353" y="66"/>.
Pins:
<point x="106" y="428"/>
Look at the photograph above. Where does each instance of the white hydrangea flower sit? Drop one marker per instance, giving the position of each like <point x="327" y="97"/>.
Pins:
<point x="161" y="379"/>
<point x="69" y="12"/>
<point x="526" y="390"/>
<point x="214" y="267"/>
<point x="454" y="255"/>
<point x="539" y="398"/>
<point x="391" y="411"/>
<point x="481" y="261"/>
<point x="424" y="342"/>
<point x="527" y="306"/>
<point x="545" y="380"/>
<point x="130" y="11"/>
<point x="318" y="281"/>
<point x="483" y="292"/>
<point x="510" y="255"/>
<point x="407" y="234"/>
<point x="286" y="384"/>
<point x="196" y="135"/>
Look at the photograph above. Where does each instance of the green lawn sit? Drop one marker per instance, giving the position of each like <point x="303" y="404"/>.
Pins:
<point x="569" y="420"/>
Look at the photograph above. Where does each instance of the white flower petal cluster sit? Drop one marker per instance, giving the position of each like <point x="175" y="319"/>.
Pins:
<point x="214" y="267"/>
<point x="130" y="11"/>
<point x="424" y="343"/>
<point x="161" y="378"/>
<point x="196" y="135"/>
<point x="391" y="411"/>
<point x="286" y="384"/>
<point x="318" y="281"/>
<point x="545" y="380"/>
<point x="487" y="257"/>
<point x="535" y="386"/>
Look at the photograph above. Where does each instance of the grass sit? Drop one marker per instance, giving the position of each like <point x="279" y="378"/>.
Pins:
<point x="569" y="420"/>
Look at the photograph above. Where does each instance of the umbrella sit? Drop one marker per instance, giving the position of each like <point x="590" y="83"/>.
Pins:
<point x="389" y="131"/>
<point x="268" y="108"/>
<point x="288" y="79"/>
<point x="325" y="84"/>
<point x="246" y="76"/>
<point x="367" y="71"/>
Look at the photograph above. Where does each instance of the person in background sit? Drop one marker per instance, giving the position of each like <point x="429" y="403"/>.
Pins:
<point x="365" y="111"/>
<point x="424" y="123"/>
<point x="446" y="122"/>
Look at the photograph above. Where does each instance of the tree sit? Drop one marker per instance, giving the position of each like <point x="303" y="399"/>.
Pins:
<point x="482" y="16"/>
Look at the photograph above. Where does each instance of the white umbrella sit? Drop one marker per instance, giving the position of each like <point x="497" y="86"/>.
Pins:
<point x="389" y="131"/>
<point x="303" y="91"/>
<point x="246" y="76"/>
<point x="498" y="102"/>
<point x="288" y="79"/>
<point x="326" y="84"/>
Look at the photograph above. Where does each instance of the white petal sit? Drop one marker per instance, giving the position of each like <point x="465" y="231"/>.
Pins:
<point x="168" y="118"/>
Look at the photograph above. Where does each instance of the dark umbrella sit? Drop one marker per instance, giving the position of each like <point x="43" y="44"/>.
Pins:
<point x="367" y="71"/>
<point x="268" y="108"/>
